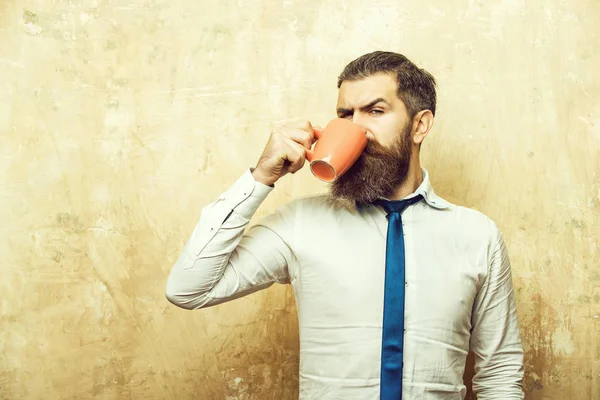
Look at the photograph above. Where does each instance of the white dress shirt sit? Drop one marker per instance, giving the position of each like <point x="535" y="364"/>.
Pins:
<point x="459" y="292"/>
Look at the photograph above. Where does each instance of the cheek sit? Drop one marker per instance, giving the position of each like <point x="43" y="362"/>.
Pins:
<point x="386" y="130"/>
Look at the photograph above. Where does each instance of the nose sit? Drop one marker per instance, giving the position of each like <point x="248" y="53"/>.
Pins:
<point x="362" y="123"/>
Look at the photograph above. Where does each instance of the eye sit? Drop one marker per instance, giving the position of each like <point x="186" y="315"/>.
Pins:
<point x="376" y="111"/>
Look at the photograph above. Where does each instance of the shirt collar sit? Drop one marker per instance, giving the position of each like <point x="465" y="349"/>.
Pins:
<point x="426" y="190"/>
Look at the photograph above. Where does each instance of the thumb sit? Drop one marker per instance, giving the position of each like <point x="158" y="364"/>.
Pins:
<point x="318" y="130"/>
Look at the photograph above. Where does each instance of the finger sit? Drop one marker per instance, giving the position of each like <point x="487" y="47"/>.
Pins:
<point x="300" y="136"/>
<point x="307" y="127"/>
<point x="296" y="156"/>
<point x="288" y="150"/>
<point x="318" y="131"/>
<point x="302" y="125"/>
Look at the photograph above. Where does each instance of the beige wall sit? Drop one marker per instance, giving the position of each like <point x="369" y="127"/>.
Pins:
<point x="119" y="120"/>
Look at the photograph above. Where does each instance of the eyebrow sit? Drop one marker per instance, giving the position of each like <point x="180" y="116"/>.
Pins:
<point x="348" y="111"/>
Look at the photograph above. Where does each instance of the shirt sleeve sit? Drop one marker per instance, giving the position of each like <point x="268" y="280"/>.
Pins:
<point x="495" y="337"/>
<point x="219" y="262"/>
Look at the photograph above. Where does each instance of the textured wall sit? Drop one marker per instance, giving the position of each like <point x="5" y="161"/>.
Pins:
<point x="119" y="120"/>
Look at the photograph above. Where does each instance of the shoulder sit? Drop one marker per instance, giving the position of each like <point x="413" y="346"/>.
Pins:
<point x="470" y="224"/>
<point x="303" y="210"/>
<point x="318" y="206"/>
<point x="471" y="216"/>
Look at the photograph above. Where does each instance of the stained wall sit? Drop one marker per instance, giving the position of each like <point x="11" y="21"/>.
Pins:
<point x="119" y="120"/>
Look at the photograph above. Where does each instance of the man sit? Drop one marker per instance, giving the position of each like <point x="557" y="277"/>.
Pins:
<point x="388" y="307"/>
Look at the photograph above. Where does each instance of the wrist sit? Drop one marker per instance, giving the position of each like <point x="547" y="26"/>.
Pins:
<point x="258" y="177"/>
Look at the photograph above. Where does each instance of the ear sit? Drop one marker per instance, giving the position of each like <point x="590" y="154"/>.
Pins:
<point x="422" y="124"/>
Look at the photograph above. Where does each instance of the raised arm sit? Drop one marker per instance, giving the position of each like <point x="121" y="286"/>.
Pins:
<point x="220" y="262"/>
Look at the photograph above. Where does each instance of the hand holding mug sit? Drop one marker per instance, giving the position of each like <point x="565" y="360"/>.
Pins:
<point x="285" y="152"/>
<point x="337" y="148"/>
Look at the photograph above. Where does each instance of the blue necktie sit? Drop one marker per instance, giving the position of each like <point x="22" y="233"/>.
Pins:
<point x="392" y="346"/>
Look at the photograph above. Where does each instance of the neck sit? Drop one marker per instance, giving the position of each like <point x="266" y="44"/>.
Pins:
<point x="414" y="178"/>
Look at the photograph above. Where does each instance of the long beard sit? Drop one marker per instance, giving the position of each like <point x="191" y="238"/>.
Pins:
<point x="377" y="173"/>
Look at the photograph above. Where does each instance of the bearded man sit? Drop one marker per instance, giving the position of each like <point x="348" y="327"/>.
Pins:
<point x="393" y="284"/>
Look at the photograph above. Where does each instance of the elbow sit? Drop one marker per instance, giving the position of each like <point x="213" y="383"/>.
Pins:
<point x="174" y="298"/>
<point x="177" y="296"/>
<point x="506" y="383"/>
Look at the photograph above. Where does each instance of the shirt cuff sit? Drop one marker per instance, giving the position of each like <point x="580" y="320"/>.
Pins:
<point x="246" y="195"/>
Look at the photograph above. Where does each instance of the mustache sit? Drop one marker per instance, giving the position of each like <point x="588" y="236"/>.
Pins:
<point x="374" y="149"/>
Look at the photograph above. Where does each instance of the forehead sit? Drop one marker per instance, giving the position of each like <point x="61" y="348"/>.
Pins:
<point x="357" y="93"/>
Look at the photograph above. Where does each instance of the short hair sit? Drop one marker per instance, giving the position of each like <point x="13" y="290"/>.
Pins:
<point x="416" y="86"/>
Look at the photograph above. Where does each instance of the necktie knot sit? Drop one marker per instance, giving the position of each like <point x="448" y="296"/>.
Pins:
<point x="392" y="206"/>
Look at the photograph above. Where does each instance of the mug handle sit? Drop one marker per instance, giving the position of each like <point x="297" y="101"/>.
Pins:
<point x="310" y="154"/>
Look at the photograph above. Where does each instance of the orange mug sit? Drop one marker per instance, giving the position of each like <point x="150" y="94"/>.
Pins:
<point x="337" y="147"/>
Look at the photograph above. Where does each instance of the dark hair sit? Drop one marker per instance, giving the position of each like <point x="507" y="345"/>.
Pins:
<point x="416" y="87"/>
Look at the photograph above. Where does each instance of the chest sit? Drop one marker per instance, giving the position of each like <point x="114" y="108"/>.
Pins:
<point x="341" y="278"/>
